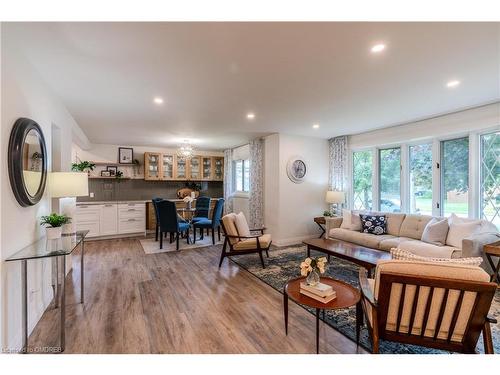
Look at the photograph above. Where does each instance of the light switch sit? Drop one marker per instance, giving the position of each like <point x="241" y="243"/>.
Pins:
<point x="91" y="195"/>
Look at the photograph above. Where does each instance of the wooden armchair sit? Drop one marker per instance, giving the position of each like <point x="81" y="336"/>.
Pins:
<point x="239" y="244"/>
<point x="437" y="306"/>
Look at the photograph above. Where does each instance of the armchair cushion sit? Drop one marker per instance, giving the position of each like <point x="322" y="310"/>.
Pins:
<point x="242" y="225"/>
<point x="251" y="243"/>
<point x="230" y="227"/>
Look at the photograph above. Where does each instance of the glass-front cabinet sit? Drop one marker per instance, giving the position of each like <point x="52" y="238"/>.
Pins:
<point x="180" y="169"/>
<point x="206" y="168"/>
<point x="152" y="166"/>
<point x="195" y="168"/>
<point x="167" y="167"/>
<point x="218" y="168"/>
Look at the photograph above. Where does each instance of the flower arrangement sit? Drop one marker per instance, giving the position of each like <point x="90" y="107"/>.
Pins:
<point x="312" y="267"/>
<point x="188" y="199"/>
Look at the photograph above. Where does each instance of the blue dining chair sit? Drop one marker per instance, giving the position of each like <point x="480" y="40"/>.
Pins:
<point x="170" y="222"/>
<point x="210" y="224"/>
<point x="202" y="209"/>
<point x="157" y="226"/>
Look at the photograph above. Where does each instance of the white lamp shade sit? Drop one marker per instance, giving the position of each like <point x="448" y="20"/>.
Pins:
<point x="68" y="184"/>
<point x="335" y="197"/>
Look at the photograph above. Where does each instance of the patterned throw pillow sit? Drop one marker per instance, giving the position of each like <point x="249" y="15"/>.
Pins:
<point x="374" y="224"/>
<point x="406" y="255"/>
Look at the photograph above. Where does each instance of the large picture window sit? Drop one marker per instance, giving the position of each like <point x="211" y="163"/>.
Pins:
<point x="242" y="175"/>
<point x="362" y="179"/>
<point x="420" y="167"/>
<point x="390" y="179"/>
<point x="455" y="177"/>
<point x="490" y="177"/>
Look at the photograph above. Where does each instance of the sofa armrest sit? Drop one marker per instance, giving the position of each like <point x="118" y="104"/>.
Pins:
<point x="332" y="222"/>
<point x="473" y="247"/>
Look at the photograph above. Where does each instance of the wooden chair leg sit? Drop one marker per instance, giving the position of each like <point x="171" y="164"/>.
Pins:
<point x="222" y="255"/>
<point x="267" y="252"/>
<point x="218" y="231"/>
<point x="156" y="232"/>
<point x="487" y="339"/>
<point x="261" y="259"/>
<point x="177" y="241"/>
<point x="161" y="240"/>
<point x="202" y="233"/>
<point x="171" y="237"/>
<point x="213" y="236"/>
<point x="187" y="236"/>
<point x="194" y="235"/>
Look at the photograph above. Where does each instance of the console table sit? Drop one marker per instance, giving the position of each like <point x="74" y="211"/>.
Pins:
<point x="44" y="248"/>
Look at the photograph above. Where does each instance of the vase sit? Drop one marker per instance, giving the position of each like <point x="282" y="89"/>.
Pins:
<point x="312" y="278"/>
<point x="53" y="232"/>
<point x="188" y="205"/>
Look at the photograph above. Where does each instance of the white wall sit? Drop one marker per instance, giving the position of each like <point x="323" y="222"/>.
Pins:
<point x="25" y="95"/>
<point x="289" y="207"/>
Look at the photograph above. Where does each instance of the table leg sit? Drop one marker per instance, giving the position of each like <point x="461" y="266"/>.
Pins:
<point x="495" y="269"/>
<point x="317" y="331"/>
<point x="63" y="303"/>
<point x="308" y="251"/>
<point x="359" y="320"/>
<point x="81" y="271"/>
<point x="58" y="289"/>
<point x="285" y="310"/>
<point x="24" y="318"/>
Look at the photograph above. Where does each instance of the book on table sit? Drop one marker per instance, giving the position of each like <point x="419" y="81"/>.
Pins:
<point x="320" y="292"/>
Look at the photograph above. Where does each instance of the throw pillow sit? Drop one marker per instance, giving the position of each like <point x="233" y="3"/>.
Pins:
<point x="435" y="231"/>
<point x="406" y="255"/>
<point x="374" y="224"/>
<point x="346" y="219"/>
<point x="461" y="228"/>
<point x="356" y="221"/>
<point x="242" y="225"/>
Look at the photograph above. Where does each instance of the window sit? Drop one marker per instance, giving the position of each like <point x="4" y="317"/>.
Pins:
<point x="420" y="167"/>
<point x="390" y="179"/>
<point x="362" y="180"/>
<point x="490" y="178"/>
<point x="242" y="175"/>
<point x="455" y="177"/>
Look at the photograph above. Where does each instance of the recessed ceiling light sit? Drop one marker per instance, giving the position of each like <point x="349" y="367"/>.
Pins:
<point x="158" y="100"/>
<point x="316" y="126"/>
<point x="453" y="83"/>
<point x="250" y="115"/>
<point x="378" y="48"/>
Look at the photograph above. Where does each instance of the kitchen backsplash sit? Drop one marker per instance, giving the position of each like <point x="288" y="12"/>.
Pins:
<point x="114" y="190"/>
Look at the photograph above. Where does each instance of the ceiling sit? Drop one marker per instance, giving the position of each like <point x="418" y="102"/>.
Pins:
<point x="291" y="75"/>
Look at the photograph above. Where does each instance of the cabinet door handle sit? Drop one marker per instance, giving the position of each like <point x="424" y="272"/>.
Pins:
<point x="83" y="206"/>
<point x="131" y="219"/>
<point x="108" y="205"/>
<point x="131" y="209"/>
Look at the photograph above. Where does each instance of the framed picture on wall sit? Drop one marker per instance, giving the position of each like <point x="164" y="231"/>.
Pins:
<point x="112" y="169"/>
<point x="125" y="155"/>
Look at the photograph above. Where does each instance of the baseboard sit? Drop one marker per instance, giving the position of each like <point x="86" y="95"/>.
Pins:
<point x="293" y="240"/>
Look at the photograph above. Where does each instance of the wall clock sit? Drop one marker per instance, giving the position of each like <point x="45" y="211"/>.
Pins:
<point x="296" y="169"/>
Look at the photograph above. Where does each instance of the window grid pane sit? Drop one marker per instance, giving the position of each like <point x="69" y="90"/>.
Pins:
<point x="246" y="176"/>
<point x="238" y="174"/>
<point x="390" y="179"/>
<point x="362" y="180"/>
<point x="490" y="178"/>
<point x="420" y="160"/>
<point x="455" y="177"/>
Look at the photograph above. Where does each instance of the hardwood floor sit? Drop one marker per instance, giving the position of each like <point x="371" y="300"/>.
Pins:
<point x="177" y="303"/>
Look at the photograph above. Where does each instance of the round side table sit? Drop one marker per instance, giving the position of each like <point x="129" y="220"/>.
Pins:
<point x="347" y="296"/>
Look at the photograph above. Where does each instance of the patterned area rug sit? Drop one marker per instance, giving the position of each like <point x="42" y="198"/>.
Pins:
<point x="283" y="265"/>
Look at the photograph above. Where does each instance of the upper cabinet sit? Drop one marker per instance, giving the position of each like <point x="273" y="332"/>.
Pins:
<point x="165" y="166"/>
<point x="152" y="166"/>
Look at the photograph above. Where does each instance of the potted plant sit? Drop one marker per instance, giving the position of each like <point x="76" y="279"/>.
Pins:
<point x="83" y="166"/>
<point x="54" y="223"/>
<point x="312" y="267"/>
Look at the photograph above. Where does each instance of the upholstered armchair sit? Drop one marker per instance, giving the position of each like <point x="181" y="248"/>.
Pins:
<point x="244" y="242"/>
<point x="428" y="304"/>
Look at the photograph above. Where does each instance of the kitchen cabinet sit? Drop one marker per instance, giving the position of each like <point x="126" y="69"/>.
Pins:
<point x="194" y="170"/>
<point x="206" y="167"/>
<point x="167" y="166"/>
<point x="218" y="174"/>
<point x="152" y="166"/>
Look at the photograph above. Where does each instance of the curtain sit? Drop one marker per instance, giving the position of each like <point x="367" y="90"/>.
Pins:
<point x="228" y="181"/>
<point x="256" y="197"/>
<point x="338" y="165"/>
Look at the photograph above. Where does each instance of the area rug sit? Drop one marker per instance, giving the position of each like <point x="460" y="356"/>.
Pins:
<point x="150" y="246"/>
<point x="283" y="265"/>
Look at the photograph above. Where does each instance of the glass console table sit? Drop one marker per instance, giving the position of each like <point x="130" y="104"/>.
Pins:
<point x="44" y="248"/>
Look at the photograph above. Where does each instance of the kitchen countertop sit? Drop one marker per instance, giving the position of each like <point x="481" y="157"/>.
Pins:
<point x="124" y="201"/>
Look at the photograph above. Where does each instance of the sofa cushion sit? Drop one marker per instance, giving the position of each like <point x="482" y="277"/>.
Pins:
<point x="351" y="220"/>
<point x="448" y="271"/>
<point x="251" y="243"/>
<point x="359" y="238"/>
<point x="374" y="224"/>
<point x="413" y="226"/>
<point x="390" y="243"/>
<point x="428" y="250"/>
<point x="406" y="255"/>
<point x="436" y="231"/>
<point x="393" y="221"/>
<point x="461" y="228"/>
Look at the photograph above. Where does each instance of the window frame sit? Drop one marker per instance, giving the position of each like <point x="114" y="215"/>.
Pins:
<point x="351" y="162"/>
<point x="244" y="163"/>
<point x="478" y="164"/>
<point x="379" y="195"/>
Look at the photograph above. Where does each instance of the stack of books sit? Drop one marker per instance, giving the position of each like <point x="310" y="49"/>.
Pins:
<point x="320" y="292"/>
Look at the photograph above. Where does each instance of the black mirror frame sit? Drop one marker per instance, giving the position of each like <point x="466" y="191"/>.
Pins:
<point x="20" y="130"/>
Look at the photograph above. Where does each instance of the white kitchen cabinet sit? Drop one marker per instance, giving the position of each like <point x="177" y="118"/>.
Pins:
<point x="88" y="217"/>
<point x="109" y="219"/>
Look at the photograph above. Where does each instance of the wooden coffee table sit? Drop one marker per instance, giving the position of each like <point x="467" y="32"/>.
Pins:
<point x="362" y="256"/>
<point x="493" y="250"/>
<point x="347" y="296"/>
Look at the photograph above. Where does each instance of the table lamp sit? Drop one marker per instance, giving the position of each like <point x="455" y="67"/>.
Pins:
<point x="68" y="186"/>
<point x="335" y="198"/>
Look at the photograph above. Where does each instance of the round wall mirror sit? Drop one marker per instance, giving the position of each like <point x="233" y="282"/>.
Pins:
<point x="27" y="162"/>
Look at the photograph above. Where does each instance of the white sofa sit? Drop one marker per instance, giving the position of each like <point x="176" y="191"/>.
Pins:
<point x="405" y="231"/>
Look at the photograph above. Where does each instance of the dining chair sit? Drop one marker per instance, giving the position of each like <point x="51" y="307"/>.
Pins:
<point x="210" y="224"/>
<point x="170" y="222"/>
<point x="157" y="217"/>
<point x="202" y="209"/>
